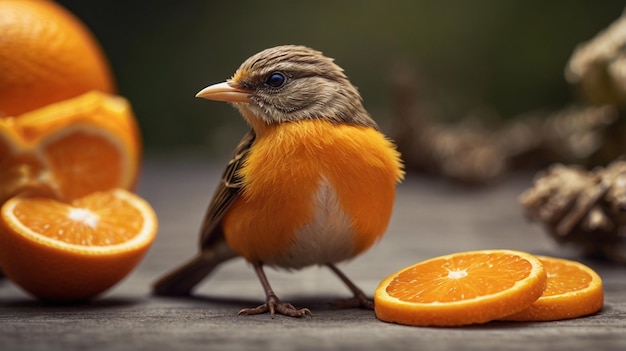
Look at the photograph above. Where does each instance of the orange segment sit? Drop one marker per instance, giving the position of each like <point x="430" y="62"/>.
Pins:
<point x="573" y="290"/>
<point x="461" y="288"/>
<point x="71" y="148"/>
<point x="47" y="55"/>
<point x="58" y="251"/>
<point x="84" y="158"/>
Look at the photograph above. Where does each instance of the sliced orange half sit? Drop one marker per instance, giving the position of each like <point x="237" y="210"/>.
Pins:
<point x="461" y="288"/>
<point x="573" y="290"/>
<point x="60" y="252"/>
<point x="71" y="148"/>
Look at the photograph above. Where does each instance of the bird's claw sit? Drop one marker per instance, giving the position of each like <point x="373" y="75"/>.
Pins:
<point x="273" y="306"/>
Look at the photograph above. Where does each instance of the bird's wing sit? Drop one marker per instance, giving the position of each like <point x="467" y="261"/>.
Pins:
<point x="226" y="193"/>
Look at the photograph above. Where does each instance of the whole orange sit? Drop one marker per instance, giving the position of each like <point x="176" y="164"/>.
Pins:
<point x="46" y="55"/>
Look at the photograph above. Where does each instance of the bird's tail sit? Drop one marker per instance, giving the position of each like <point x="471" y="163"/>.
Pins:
<point x="182" y="280"/>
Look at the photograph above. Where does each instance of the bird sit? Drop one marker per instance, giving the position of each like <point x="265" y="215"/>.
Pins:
<point x="313" y="182"/>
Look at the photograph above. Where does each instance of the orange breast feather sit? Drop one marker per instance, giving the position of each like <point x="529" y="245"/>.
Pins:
<point x="283" y="172"/>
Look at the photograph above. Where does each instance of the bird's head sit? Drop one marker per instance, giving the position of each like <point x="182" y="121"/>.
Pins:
<point x="291" y="83"/>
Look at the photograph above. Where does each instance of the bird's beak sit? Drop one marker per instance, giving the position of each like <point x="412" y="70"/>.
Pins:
<point x="225" y="91"/>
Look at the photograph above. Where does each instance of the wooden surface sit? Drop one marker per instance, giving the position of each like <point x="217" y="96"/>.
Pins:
<point x="431" y="218"/>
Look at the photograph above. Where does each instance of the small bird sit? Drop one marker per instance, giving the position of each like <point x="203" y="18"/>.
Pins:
<point x="312" y="183"/>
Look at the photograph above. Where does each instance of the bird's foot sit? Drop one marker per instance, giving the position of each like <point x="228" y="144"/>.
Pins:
<point x="357" y="301"/>
<point x="273" y="306"/>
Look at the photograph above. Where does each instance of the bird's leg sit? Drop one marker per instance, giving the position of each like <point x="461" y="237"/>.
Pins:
<point x="273" y="303"/>
<point x="359" y="299"/>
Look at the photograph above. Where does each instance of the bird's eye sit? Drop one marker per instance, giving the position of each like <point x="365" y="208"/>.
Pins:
<point x="276" y="80"/>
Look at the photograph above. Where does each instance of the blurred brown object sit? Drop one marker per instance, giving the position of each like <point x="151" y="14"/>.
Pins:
<point x="475" y="152"/>
<point x="598" y="67"/>
<point x="589" y="133"/>
<point x="467" y="152"/>
<point x="581" y="134"/>
<point x="584" y="208"/>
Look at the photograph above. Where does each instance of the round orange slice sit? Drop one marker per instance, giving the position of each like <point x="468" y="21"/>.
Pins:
<point x="64" y="252"/>
<point x="573" y="290"/>
<point x="461" y="288"/>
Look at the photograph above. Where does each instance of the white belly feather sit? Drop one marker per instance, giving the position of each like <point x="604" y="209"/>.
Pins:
<point x="327" y="238"/>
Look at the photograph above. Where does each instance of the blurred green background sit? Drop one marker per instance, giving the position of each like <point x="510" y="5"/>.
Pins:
<point x="508" y="55"/>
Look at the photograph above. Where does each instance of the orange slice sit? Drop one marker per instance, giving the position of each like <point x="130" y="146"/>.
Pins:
<point x="461" y="288"/>
<point x="60" y="252"/>
<point x="573" y="290"/>
<point x="71" y="148"/>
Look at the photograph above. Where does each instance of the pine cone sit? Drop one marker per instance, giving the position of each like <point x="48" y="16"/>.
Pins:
<point x="584" y="208"/>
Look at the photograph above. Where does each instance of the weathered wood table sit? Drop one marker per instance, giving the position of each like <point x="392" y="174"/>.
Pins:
<point x="431" y="218"/>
